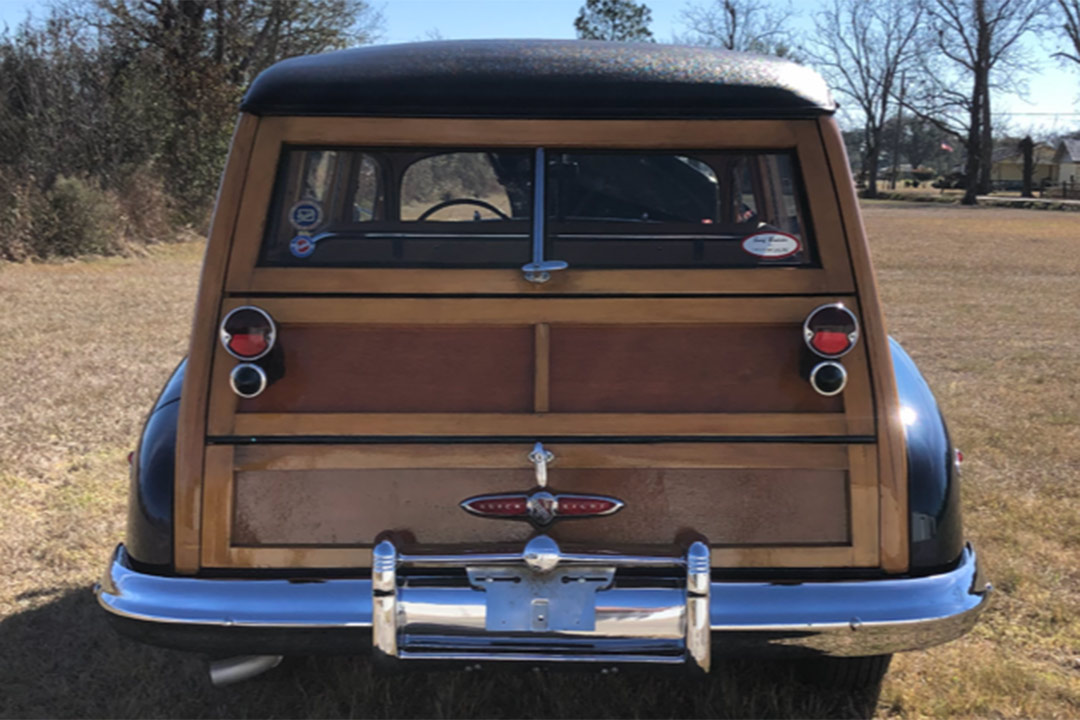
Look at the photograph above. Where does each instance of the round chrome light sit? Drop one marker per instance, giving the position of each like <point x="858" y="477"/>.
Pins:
<point x="831" y="330"/>
<point x="248" y="333"/>
<point x="828" y="378"/>
<point x="247" y="380"/>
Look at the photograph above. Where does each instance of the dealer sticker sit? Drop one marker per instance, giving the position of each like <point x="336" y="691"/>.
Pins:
<point x="771" y="245"/>
<point x="305" y="215"/>
<point x="302" y="246"/>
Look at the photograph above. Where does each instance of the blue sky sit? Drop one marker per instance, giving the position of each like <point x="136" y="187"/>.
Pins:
<point x="1052" y="89"/>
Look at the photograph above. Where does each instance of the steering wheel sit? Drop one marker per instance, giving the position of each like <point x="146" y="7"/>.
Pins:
<point x="462" y="201"/>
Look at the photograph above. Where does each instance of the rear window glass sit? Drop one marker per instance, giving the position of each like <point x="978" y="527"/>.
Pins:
<point x="474" y="208"/>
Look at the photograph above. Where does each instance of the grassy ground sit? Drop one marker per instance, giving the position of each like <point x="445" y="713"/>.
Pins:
<point x="986" y="300"/>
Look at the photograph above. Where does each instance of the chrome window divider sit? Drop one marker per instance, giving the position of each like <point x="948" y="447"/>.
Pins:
<point x="539" y="270"/>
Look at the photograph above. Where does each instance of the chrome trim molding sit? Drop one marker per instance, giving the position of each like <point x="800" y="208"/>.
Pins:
<point x="225" y="337"/>
<point x="808" y="335"/>
<point x="663" y="624"/>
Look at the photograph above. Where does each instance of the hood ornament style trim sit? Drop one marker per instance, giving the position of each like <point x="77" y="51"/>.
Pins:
<point x="541" y="507"/>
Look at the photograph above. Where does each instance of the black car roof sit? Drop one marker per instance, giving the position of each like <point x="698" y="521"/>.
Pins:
<point x="539" y="78"/>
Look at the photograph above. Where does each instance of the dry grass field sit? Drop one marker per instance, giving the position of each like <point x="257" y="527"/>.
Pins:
<point x="986" y="300"/>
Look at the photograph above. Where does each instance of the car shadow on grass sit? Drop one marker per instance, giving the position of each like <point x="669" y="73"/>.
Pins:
<point x="60" y="658"/>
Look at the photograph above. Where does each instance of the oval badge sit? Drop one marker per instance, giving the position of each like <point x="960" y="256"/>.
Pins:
<point x="771" y="245"/>
<point x="305" y="215"/>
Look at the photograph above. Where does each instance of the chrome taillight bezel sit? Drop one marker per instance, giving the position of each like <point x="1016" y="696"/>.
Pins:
<point x="225" y="337"/>
<point x="808" y="334"/>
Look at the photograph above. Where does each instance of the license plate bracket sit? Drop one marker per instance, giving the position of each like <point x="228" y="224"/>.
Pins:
<point x="522" y="600"/>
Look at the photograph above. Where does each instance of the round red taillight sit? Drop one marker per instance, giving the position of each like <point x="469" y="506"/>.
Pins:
<point x="248" y="333"/>
<point x="831" y="330"/>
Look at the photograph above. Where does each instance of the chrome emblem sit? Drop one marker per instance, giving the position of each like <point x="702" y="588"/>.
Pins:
<point x="541" y="507"/>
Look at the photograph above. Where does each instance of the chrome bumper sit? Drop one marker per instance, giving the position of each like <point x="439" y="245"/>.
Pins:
<point x="546" y="605"/>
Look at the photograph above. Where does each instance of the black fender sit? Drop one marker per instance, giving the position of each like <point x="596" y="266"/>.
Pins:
<point x="936" y="533"/>
<point x="149" y="540"/>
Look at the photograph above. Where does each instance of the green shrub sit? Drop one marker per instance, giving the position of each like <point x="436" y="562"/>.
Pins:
<point x="80" y="219"/>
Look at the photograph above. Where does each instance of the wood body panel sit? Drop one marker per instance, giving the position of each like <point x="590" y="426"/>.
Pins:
<point x="834" y="275"/>
<point x="875" y="529"/>
<point x="745" y="497"/>
<point x="891" y="456"/>
<point x="402" y="369"/>
<point x="730" y="507"/>
<point x="660" y="366"/>
<point x="682" y="369"/>
<point x="191" y="423"/>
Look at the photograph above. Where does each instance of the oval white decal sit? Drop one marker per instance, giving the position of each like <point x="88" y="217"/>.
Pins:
<point x="771" y="245"/>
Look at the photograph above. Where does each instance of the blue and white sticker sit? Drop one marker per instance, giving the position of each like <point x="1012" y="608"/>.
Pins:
<point x="306" y="215"/>
<point x="302" y="246"/>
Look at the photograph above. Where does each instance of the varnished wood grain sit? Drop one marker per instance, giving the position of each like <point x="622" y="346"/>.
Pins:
<point x="543" y="425"/>
<point x="542" y="379"/>
<point x="682" y="369"/>
<point x="515" y="311"/>
<point x="413" y="281"/>
<point x="191" y="423"/>
<point x="751" y="456"/>
<point x="401" y="369"/>
<point x="731" y="507"/>
<point x="891" y="455"/>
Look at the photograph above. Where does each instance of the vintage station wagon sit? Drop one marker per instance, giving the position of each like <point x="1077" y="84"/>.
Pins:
<point x="542" y="352"/>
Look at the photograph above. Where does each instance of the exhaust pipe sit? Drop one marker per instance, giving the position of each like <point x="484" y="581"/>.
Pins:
<point x="237" y="669"/>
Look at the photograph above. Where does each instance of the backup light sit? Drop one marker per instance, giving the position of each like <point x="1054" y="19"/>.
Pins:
<point x="828" y="378"/>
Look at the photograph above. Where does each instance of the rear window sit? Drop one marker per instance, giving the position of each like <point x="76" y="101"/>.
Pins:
<point x="476" y="208"/>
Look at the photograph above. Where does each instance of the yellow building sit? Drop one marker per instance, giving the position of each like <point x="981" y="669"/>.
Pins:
<point x="1007" y="170"/>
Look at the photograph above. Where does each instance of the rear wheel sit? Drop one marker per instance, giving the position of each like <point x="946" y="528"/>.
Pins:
<point x="845" y="673"/>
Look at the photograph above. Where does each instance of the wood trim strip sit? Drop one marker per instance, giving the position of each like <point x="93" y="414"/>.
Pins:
<point x="250" y="458"/>
<point x="549" y="424"/>
<point x="676" y="134"/>
<point x="217" y="511"/>
<point x="542" y="381"/>
<point x="757" y="281"/>
<point x="892" y="456"/>
<point x="191" y="423"/>
<point x="864" y="511"/>
<point x="525" y="311"/>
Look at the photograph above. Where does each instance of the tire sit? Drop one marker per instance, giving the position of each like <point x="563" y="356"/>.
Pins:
<point x="845" y="673"/>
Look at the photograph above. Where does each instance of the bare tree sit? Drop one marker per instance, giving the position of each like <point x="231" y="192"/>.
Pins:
<point x="1070" y="10"/>
<point x="747" y="25"/>
<point x="970" y="40"/>
<point x="862" y="48"/>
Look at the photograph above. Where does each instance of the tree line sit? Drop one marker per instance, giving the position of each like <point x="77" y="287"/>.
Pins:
<point x="938" y="61"/>
<point x="115" y="115"/>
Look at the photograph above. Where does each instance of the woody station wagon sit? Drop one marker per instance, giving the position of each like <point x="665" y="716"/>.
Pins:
<point x="542" y="352"/>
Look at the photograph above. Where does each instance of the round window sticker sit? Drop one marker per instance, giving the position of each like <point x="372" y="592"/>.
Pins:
<point x="305" y="215"/>
<point x="771" y="245"/>
<point x="302" y="246"/>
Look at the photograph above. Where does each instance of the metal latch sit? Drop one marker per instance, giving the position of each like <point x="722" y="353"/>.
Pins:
<point x="540" y="457"/>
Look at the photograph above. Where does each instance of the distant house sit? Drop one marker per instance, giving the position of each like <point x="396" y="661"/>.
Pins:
<point x="1007" y="168"/>
<point x="1067" y="162"/>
